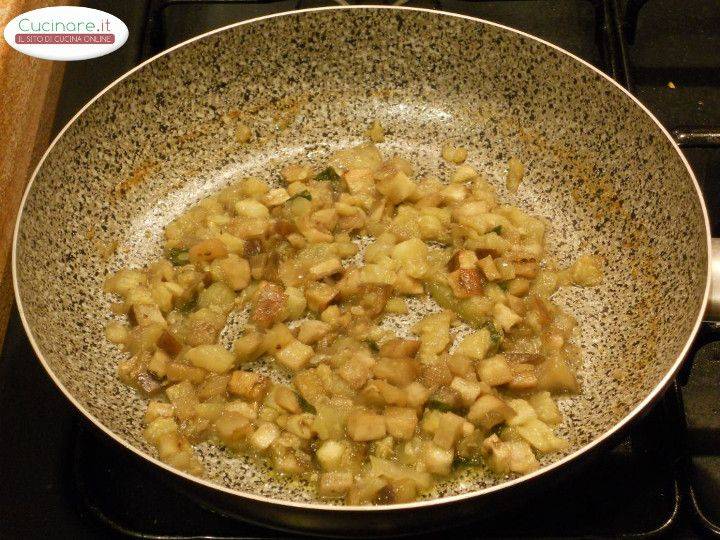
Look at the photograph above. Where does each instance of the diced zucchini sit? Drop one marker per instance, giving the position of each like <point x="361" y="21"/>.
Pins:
<point x="332" y="485"/>
<point x="523" y="412"/>
<point x="437" y="460"/>
<point x="184" y="399"/>
<point x="489" y="410"/>
<point x="295" y="355"/>
<point x="477" y="344"/>
<point x="366" y="426"/>
<point x="401" y="422"/>
<point x="449" y="430"/>
<point x="249" y="385"/>
<point x="264" y="436"/>
<point x="545" y="407"/>
<point x="494" y="370"/>
<point x="211" y="357"/>
<point x="541" y="436"/>
<point x="330" y="454"/>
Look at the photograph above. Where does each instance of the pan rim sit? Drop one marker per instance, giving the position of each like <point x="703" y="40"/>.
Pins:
<point x="656" y="392"/>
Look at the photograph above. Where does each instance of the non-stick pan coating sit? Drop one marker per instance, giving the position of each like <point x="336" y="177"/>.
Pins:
<point x="599" y="169"/>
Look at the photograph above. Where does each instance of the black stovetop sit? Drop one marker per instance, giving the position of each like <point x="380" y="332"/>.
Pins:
<point x="59" y="478"/>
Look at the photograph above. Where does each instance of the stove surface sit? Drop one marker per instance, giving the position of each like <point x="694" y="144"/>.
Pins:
<point x="60" y="478"/>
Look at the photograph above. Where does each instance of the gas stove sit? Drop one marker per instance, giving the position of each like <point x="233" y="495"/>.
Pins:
<point x="63" y="479"/>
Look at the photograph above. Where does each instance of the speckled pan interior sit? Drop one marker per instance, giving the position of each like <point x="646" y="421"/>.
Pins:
<point x="598" y="168"/>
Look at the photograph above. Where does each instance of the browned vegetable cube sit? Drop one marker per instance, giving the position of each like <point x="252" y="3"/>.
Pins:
<point x="545" y="407"/>
<point x="398" y="371"/>
<point x="169" y="342"/>
<point x="201" y="327"/>
<point x="449" y="430"/>
<point x="232" y="427"/>
<point x="176" y="371"/>
<point x="373" y="298"/>
<point x="207" y="250"/>
<point x="496" y="454"/>
<point x="158" y="409"/>
<point x="417" y="394"/>
<point x="437" y="460"/>
<point x="158" y="363"/>
<point x="147" y="314"/>
<point x="311" y="331"/>
<point x="147" y="383"/>
<point x="459" y="364"/>
<point x="295" y="355"/>
<point x="400" y="348"/>
<point x="248" y="347"/>
<point x="366" y="491"/>
<point x="466" y="282"/>
<point x="319" y="295"/>
<point x="436" y="374"/>
<point x="487" y="265"/>
<point x="184" y="399"/>
<point x="213" y="386"/>
<point x="287" y="399"/>
<point x="249" y="385"/>
<point x="365" y="426"/>
<point x="522" y="459"/>
<point x="518" y="287"/>
<point x="331" y="418"/>
<point x="523" y="378"/>
<point x="463" y="259"/>
<point x="516" y="304"/>
<point x="489" y="410"/>
<point x="269" y="304"/>
<point x="445" y="398"/>
<point x="355" y="371"/>
<point x="404" y="490"/>
<point x="130" y="369"/>
<point x="248" y="229"/>
<point x="336" y="484"/>
<point x="401" y="422"/>
<point x="326" y="268"/>
<point x="555" y="375"/>
<point x="379" y="393"/>
<point x="276" y="338"/>
<point x="301" y="425"/>
<point x="469" y="390"/>
<point x="263" y="437"/>
<point x="494" y="370"/>
<point x="213" y="358"/>
<point x="309" y="385"/>
<point x="527" y="269"/>
<point x="289" y="461"/>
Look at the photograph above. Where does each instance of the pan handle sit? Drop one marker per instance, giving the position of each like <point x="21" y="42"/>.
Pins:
<point x="713" y="307"/>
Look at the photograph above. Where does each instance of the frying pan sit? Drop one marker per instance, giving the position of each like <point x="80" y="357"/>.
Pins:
<point x="600" y="169"/>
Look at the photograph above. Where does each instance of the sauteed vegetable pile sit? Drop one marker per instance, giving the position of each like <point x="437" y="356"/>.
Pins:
<point x="393" y="328"/>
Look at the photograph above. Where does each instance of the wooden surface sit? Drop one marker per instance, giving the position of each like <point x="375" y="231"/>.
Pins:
<point x="29" y="89"/>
